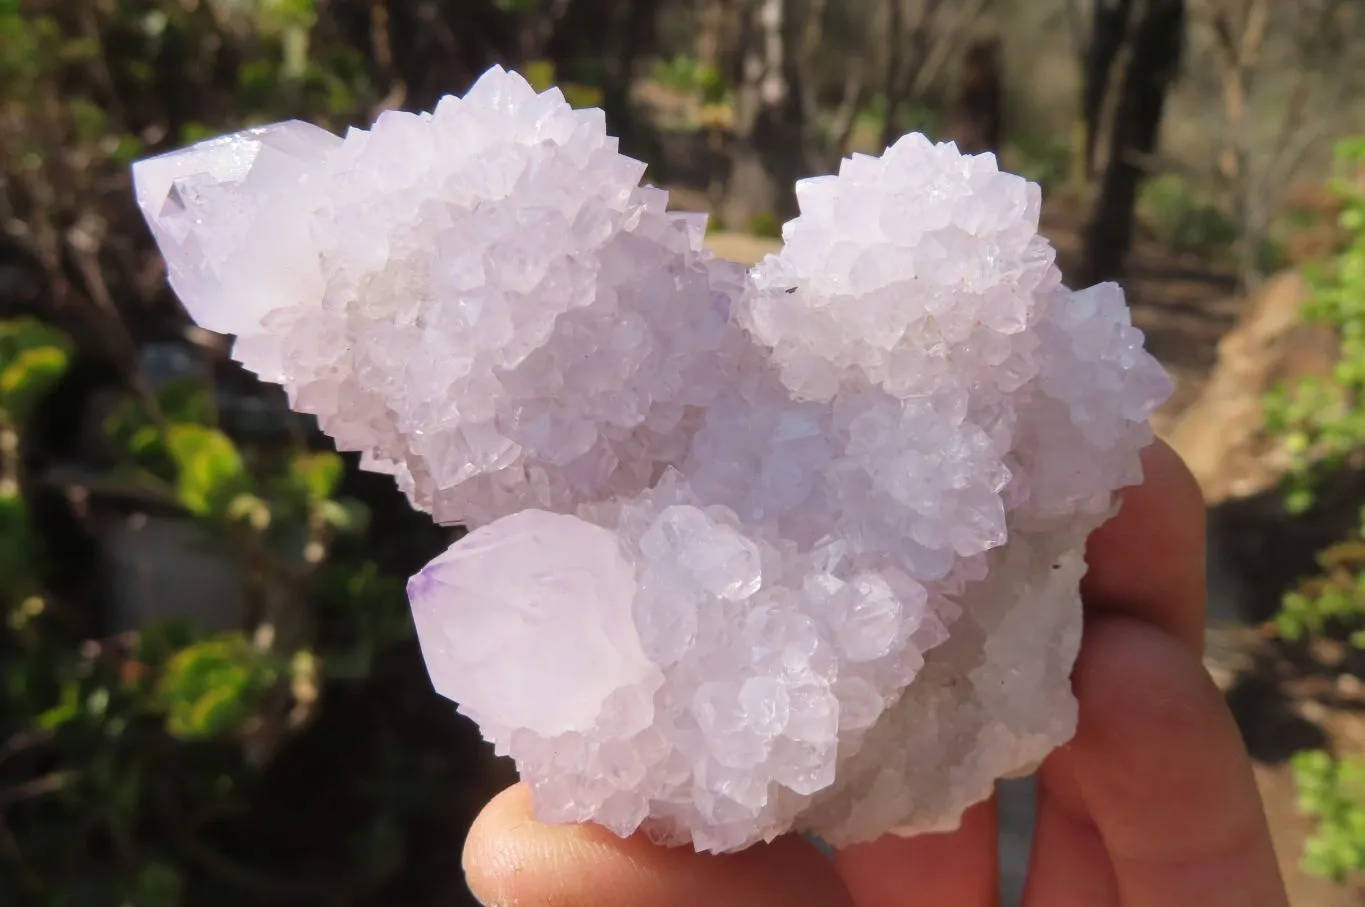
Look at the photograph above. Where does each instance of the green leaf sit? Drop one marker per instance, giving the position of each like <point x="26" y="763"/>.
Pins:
<point x="32" y="358"/>
<point x="582" y="96"/>
<point x="210" y="688"/>
<point x="346" y="516"/>
<point x="19" y="548"/>
<point x="159" y="640"/>
<point x="1331" y="792"/>
<point x="317" y="474"/>
<point x="188" y="399"/>
<point x="282" y="15"/>
<point x="209" y="468"/>
<point x="540" y="73"/>
<point x="68" y="709"/>
<point x="250" y="509"/>
<point x="1299" y="501"/>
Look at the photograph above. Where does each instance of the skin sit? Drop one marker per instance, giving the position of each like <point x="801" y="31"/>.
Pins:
<point x="1153" y="804"/>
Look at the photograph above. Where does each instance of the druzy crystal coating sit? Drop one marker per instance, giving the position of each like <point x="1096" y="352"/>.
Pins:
<point x="796" y="549"/>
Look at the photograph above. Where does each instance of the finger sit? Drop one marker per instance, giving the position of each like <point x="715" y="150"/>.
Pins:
<point x="1158" y="779"/>
<point x="510" y="858"/>
<point x="1069" y="866"/>
<point x="956" y="869"/>
<point x="1148" y="562"/>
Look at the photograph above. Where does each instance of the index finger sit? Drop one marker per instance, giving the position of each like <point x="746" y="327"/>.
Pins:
<point x="1148" y="562"/>
<point x="1154" y="803"/>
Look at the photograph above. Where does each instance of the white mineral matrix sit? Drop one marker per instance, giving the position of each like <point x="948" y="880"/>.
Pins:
<point x="796" y="550"/>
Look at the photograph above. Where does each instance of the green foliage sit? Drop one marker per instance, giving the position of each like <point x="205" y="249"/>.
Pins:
<point x="1321" y="425"/>
<point x="118" y="737"/>
<point x="1333" y="792"/>
<point x="32" y="357"/>
<point x="543" y="76"/>
<point x="1183" y="218"/>
<point x="209" y="470"/>
<point x="1331" y="601"/>
<point x="89" y="729"/>
<point x="688" y="75"/>
<point x="87" y="88"/>
<point x="766" y="225"/>
<point x="363" y="612"/>
<point x="1046" y="160"/>
<point x="911" y="117"/>
<point x="1321" y="420"/>
<point x="18" y="546"/>
<point x="278" y="507"/>
<point x="210" y="688"/>
<point x="120" y="758"/>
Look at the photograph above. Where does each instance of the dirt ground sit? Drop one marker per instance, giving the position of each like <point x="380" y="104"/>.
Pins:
<point x="1283" y="701"/>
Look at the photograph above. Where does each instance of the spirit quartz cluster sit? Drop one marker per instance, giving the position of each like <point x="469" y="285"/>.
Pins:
<point x="796" y="549"/>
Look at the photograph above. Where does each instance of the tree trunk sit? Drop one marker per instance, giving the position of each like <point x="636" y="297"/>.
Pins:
<point x="635" y="30"/>
<point x="892" y="90"/>
<point x="445" y="45"/>
<point x="1238" y="41"/>
<point x="770" y="125"/>
<point x="713" y="19"/>
<point x="1154" y="60"/>
<point x="536" y="29"/>
<point x="1109" y="32"/>
<point x="924" y="37"/>
<point x="977" y="121"/>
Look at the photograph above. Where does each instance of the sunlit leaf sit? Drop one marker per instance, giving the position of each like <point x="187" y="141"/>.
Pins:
<point x="210" y="688"/>
<point x="317" y="474"/>
<point x="346" y="516"/>
<point x="32" y="358"/>
<point x="209" y="467"/>
<point x="540" y="73"/>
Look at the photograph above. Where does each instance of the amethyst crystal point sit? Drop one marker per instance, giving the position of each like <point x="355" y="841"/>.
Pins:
<point x="792" y="551"/>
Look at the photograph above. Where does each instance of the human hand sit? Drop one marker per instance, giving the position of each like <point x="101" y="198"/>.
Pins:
<point x="1153" y="804"/>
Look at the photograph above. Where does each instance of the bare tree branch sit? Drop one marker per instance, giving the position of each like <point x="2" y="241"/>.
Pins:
<point x="1267" y="140"/>
<point x="1075" y="23"/>
<point x="846" y="116"/>
<point x="34" y="787"/>
<point x="947" y="45"/>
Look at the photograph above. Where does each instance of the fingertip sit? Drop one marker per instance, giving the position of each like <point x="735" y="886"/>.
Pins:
<point x="512" y="858"/>
<point x="496" y="848"/>
<point x="493" y="849"/>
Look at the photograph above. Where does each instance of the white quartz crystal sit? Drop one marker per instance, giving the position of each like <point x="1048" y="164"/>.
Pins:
<point x="796" y="551"/>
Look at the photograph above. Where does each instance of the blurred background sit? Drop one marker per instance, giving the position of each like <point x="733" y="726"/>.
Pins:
<point x="209" y="688"/>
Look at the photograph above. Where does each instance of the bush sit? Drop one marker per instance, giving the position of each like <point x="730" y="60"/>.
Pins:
<point x="766" y="225"/>
<point x="687" y="75"/>
<point x="1334" y="792"/>
<point x="109" y="747"/>
<point x="134" y="767"/>
<point x="1046" y="160"/>
<point x="1183" y="218"/>
<point x="1321" y="423"/>
<point x="913" y="116"/>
